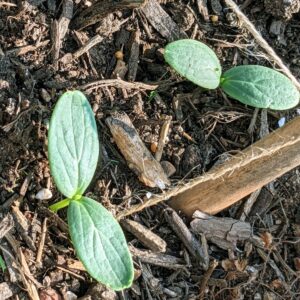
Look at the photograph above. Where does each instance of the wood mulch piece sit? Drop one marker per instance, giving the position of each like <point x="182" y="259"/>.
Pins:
<point x="249" y="251"/>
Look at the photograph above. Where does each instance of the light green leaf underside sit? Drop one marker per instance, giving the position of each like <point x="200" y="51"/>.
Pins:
<point x="194" y="61"/>
<point x="73" y="144"/>
<point x="100" y="243"/>
<point x="260" y="87"/>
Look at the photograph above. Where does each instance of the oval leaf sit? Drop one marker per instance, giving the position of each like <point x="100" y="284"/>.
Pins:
<point x="260" y="87"/>
<point x="73" y="144"/>
<point x="194" y="61"/>
<point x="100" y="243"/>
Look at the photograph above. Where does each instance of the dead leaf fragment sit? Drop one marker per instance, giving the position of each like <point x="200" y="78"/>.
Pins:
<point x="267" y="239"/>
<point x="297" y="263"/>
<point x="49" y="294"/>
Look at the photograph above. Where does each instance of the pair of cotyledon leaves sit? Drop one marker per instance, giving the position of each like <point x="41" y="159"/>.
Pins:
<point x="257" y="86"/>
<point x="73" y="148"/>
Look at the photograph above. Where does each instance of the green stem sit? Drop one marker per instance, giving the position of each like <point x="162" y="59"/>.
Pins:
<point x="59" y="205"/>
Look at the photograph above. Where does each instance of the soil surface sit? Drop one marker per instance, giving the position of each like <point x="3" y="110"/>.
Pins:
<point x="205" y="126"/>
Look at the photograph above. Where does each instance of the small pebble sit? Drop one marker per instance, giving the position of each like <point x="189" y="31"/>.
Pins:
<point x="281" y="122"/>
<point x="45" y="95"/>
<point x="43" y="194"/>
<point x="119" y="55"/>
<point x="214" y="18"/>
<point x="70" y="296"/>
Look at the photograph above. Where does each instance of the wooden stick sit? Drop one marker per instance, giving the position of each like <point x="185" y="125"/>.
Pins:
<point x="148" y="238"/>
<point x="244" y="173"/>
<point x="226" y="184"/>
<point x="100" y="9"/>
<point x="262" y="42"/>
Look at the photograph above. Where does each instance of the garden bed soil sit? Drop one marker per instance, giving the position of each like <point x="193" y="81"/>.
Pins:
<point x="205" y="127"/>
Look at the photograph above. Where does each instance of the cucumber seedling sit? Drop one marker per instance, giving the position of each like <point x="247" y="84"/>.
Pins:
<point x="73" y="149"/>
<point x="253" y="85"/>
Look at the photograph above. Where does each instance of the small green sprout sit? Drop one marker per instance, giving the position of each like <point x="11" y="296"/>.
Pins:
<point x="2" y="264"/>
<point x="73" y="149"/>
<point x="253" y="85"/>
<point x="152" y="95"/>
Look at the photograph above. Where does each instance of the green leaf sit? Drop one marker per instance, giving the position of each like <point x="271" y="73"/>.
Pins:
<point x="194" y="61"/>
<point x="260" y="87"/>
<point x="100" y="243"/>
<point x="2" y="264"/>
<point x="73" y="144"/>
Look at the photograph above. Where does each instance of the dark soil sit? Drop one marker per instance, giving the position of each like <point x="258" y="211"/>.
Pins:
<point x="208" y="126"/>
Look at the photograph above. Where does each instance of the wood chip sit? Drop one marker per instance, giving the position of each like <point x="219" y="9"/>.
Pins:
<point x="224" y="232"/>
<point x="200" y="252"/>
<point x="59" y="29"/>
<point x="163" y="137"/>
<point x="22" y="227"/>
<point x="162" y="22"/>
<point x="5" y="225"/>
<point x="157" y="259"/>
<point x="148" y="238"/>
<point x="25" y="185"/>
<point x="133" y="61"/>
<point x="100" y="9"/>
<point x="9" y="259"/>
<point x="137" y="155"/>
<point x="6" y="291"/>
<point x="202" y="7"/>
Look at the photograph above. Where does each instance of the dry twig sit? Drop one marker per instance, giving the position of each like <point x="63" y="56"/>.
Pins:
<point x="206" y="277"/>
<point x="117" y="83"/>
<point x="148" y="238"/>
<point x="163" y="137"/>
<point x="42" y="242"/>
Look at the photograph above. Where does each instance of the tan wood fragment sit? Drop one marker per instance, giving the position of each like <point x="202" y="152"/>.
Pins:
<point x="148" y="238"/>
<point x="202" y="7"/>
<point x="59" y="29"/>
<point x="22" y="226"/>
<point x="42" y="242"/>
<point x="137" y="155"/>
<point x="31" y="284"/>
<point x="253" y="168"/>
<point x="163" y="138"/>
<point x="6" y="290"/>
<point x="75" y="264"/>
<point x="224" y="232"/>
<point x="133" y="61"/>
